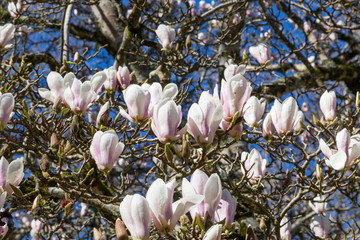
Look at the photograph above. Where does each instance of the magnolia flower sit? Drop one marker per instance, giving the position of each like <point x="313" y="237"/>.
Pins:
<point x="254" y="110"/>
<point x="12" y="173"/>
<point x="79" y="96"/>
<point x="285" y="229"/>
<point x="226" y="209"/>
<point x="158" y="93"/>
<point x="57" y="85"/>
<point x="319" y="205"/>
<point x="17" y="8"/>
<point x="123" y="77"/>
<point x="111" y="80"/>
<point x="166" y="119"/>
<point x="36" y="227"/>
<point x="165" y="213"/>
<point x="320" y="225"/>
<point x="103" y="110"/>
<point x="328" y="105"/>
<point x="214" y="233"/>
<point x="254" y="164"/>
<point x="234" y="94"/>
<point x="285" y="117"/>
<point x="232" y="70"/>
<point x="209" y="187"/>
<point x="6" y="35"/>
<point x="105" y="149"/>
<point x="7" y="104"/>
<point x="135" y="213"/>
<point x="166" y="35"/>
<point x="204" y="118"/>
<point x="348" y="149"/>
<point x="137" y="100"/>
<point x="261" y="52"/>
<point x="75" y="94"/>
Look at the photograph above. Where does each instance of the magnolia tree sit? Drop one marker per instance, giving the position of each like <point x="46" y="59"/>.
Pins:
<point x="179" y="119"/>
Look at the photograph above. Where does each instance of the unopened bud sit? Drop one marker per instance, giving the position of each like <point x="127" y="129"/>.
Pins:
<point x="74" y="127"/>
<point x="245" y="57"/>
<point x="133" y="79"/>
<point x="44" y="163"/>
<point x="32" y="113"/>
<point x="120" y="229"/>
<point x="67" y="147"/>
<point x="185" y="149"/>
<point x="188" y="42"/>
<point x="97" y="234"/>
<point x="76" y="57"/>
<point x="53" y="140"/>
<point x="357" y="100"/>
<point x="36" y="202"/>
<point x="168" y="153"/>
<point x="262" y="225"/>
<point x="319" y="173"/>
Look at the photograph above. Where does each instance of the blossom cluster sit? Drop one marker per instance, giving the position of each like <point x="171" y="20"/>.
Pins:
<point x="202" y="196"/>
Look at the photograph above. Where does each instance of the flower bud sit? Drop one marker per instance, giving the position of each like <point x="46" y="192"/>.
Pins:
<point x="261" y="52"/>
<point x="105" y="149"/>
<point x="328" y="105"/>
<point x="166" y="35"/>
<point x="121" y="233"/>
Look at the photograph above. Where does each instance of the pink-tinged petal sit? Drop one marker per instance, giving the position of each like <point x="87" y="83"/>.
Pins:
<point x="214" y="233"/>
<point x="182" y="206"/>
<point x="2" y="199"/>
<point x="195" y="118"/>
<point x="300" y="117"/>
<point x="156" y="92"/>
<point x="267" y="125"/>
<point x="15" y="172"/>
<point x="68" y="80"/>
<point x="6" y="34"/>
<point x="338" y="160"/>
<point x="354" y="153"/>
<point x="46" y="94"/>
<point x="212" y="192"/>
<point x="160" y="202"/>
<point x="69" y="99"/>
<point x="325" y="149"/>
<point x="95" y="148"/>
<point x="3" y="171"/>
<point x="215" y="121"/>
<point x="170" y="91"/>
<point x="86" y="96"/>
<point x="126" y="115"/>
<point x="288" y="115"/>
<point x="343" y="141"/>
<point x="98" y="80"/>
<point x="180" y="133"/>
<point x="226" y="209"/>
<point x="198" y="181"/>
<point x="135" y="212"/>
<point x="56" y="84"/>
